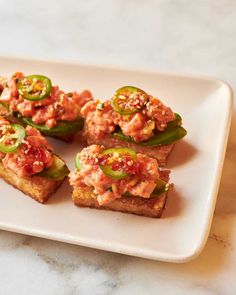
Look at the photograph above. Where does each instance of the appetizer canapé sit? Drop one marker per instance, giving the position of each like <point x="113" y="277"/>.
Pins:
<point x="119" y="179"/>
<point x="36" y="102"/>
<point x="27" y="161"/>
<point x="133" y="118"/>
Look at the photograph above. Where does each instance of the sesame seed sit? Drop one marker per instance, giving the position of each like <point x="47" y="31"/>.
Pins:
<point x="167" y="187"/>
<point x="132" y="95"/>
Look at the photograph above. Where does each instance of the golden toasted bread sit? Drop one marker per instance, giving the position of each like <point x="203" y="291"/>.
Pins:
<point x="152" y="207"/>
<point x="38" y="187"/>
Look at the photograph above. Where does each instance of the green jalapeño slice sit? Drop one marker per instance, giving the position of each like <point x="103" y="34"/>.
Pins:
<point x="11" y="137"/>
<point x="128" y="100"/>
<point x="115" y="162"/>
<point x="78" y="164"/>
<point x="35" y="87"/>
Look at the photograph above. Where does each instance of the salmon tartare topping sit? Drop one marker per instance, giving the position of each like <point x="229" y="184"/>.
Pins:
<point x="43" y="104"/>
<point x="138" y="116"/>
<point x="33" y="155"/>
<point x="112" y="173"/>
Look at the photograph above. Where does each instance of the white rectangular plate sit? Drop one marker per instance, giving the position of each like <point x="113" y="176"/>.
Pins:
<point x="196" y="162"/>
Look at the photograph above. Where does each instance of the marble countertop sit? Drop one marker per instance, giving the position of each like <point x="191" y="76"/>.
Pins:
<point x="175" y="35"/>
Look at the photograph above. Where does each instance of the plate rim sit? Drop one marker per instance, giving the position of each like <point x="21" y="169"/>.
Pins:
<point x="32" y="58"/>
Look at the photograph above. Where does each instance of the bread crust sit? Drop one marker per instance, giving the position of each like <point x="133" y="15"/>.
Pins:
<point x="160" y="153"/>
<point x="37" y="187"/>
<point x="151" y="207"/>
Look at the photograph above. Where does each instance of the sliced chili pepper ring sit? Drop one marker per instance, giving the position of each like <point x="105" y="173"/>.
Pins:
<point x="11" y="137"/>
<point x="128" y="100"/>
<point x="78" y="164"/>
<point x="115" y="155"/>
<point x="35" y="87"/>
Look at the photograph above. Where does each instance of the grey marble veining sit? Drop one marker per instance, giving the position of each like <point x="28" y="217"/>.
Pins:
<point x="183" y="36"/>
